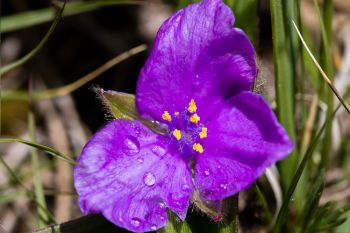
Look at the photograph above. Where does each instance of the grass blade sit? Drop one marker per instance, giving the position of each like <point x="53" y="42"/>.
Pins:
<point x="263" y="202"/>
<point x="64" y="90"/>
<point x="36" y="17"/>
<point x="281" y="218"/>
<point x="324" y="75"/>
<point x="38" y="188"/>
<point x="246" y="13"/>
<point x="29" y="193"/>
<point x="284" y="85"/>
<point x="7" y="68"/>
<point x="89" y="223"/>
<point x="47" y="149"/>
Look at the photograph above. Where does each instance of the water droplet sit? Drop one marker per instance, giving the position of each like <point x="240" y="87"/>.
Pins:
<point x="135" y="222"/>
<point x="207" y="172"/>
<point x="185" y="187"/>
<point x="140" y="159"/>
<point x="162" y="205"/>
<point x="197" y="76"/>
<point x="149" y="179"/>
<point x="223" y="186"/>
<point x="137" y="130"/>
<point x="162" y="218"/>
<point x="131" y="145"/>
<point x="154" y="227"/>
<point x="178" y="199"/>
<point x="159" y="151"/>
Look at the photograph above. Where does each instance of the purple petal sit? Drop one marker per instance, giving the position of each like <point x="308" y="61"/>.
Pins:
<point x="197" y="55"/>
<point x="243" y="140"/>
<point x="130" y="175"/>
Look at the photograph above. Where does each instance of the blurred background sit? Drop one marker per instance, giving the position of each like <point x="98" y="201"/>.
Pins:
<point x="93" y="32"/>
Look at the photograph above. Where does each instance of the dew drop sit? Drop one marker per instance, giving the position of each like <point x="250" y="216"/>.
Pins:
<point x="135" y="222"/>
<point x="162" y="205"/>
<point x="154" y="227"/>
<point x="140" y="159"/>
<point x="197" y="76"/>
<point x="223" y="186"/>
<point x="159" y="151"/>
<point x="207" y="172"/>
<point x="149" y="179"/>
<point x="131" y="145"/>
<point x="185" y="187"/>
<point x="178" y="199"/>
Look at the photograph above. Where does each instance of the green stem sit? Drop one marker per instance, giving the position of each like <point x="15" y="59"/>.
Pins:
<point x="175" y="225"/>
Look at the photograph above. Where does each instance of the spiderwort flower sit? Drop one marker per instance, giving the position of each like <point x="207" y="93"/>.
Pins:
<point x="220" y="137"/>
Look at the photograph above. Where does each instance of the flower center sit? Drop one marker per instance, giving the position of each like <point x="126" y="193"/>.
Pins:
<point x="185" y="130"/>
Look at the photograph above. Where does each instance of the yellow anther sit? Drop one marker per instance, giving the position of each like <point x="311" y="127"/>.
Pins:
<point x="203" y="133"/>
<point x="177" y="113"/>
<point x="194" y="118"/>
<point x="198" y="147"/>
<point x="177" y="134"/>
<point x="166" y="116"/>
<point x="192" y="108"/>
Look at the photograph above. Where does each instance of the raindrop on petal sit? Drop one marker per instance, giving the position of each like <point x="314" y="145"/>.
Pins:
<point x="185" y="187"/>
<point x="140" y="159"/>
<point x="131" y="145"/>
<point x="223" y="186"/>
<point x="149" y="179"/>
<point x="162" y="205"/>
<point x="159" y="151"/>
<point x="135" y="222"/>
<point x="207" y="172"/>
<point x="178" y="199"/>
<point x="154" y="227"/>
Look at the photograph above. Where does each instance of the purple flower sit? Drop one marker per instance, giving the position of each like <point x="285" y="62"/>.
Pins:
<point x="220" y="136"/>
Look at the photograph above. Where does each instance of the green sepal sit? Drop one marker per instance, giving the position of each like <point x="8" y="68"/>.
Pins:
<point x="120" y="105"/>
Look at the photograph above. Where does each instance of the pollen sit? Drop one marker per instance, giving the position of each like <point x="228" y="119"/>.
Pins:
<point x="192" y="108"/>
<point x="166" y="116"/>
<point x="203" y="133"/>
<point x="194" y="118"/>
<point x="177" y="134"/>
<point x="198" y="147"/>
